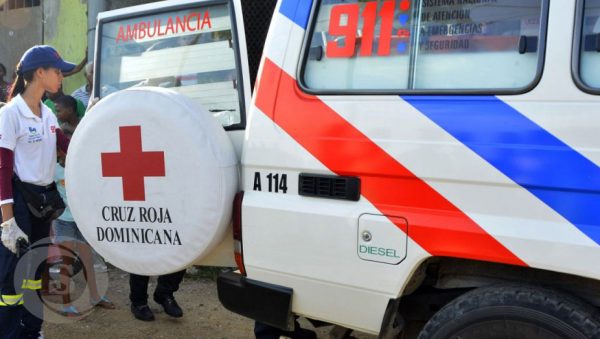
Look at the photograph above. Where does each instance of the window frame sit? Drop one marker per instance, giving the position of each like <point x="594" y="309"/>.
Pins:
<point x="487" y="91"/>
<point x="576" y="52"/>
<point x="234" y="36"/>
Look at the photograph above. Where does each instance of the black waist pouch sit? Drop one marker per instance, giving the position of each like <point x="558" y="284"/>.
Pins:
<point x="47" y="204"/>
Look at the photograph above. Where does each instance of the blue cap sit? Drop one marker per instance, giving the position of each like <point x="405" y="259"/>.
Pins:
<point x="42" y="56"/>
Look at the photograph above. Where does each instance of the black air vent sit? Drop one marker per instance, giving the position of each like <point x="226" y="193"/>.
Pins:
<point x="329" y="186"/>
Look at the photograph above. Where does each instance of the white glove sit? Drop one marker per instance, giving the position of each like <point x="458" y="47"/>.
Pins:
<point x="11" y="233"/>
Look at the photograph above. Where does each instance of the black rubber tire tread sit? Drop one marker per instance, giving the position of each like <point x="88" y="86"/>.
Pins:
<point x="565" y="310"/>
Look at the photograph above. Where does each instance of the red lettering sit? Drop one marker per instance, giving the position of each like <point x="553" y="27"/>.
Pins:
<point x="142" y="30"/>
<point x="153" y="29"/>
<point x="206" y="20"/>
<point x="369" y="15"/>
<point x="181" y="24"/>
<point x="385" y="30"/>
<point x="347" y="31"/>
<point x="169" y="26"/>
<point x="132" y="34"/>
<point x="189" y="19"/>
<point x="160" y="33"/>
<point x="121" y="35"/>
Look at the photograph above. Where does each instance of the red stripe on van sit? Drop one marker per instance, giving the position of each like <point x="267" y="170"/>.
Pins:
<point x="434" y="222"/>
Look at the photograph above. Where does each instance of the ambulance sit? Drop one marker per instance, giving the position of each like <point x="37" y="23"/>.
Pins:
<point x="397" y="167"/>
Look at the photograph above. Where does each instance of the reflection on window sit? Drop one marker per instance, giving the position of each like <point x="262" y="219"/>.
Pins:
<point x="189" y="51"/>
<point x="589" y="66"/>
<point x="427" y="44"/>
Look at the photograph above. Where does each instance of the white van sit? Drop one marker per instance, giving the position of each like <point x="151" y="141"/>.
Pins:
<point x="396" y="163"/>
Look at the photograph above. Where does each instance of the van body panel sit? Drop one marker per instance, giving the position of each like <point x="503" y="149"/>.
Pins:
<point x="465" y="193"/>
<point x="506" y="175"/>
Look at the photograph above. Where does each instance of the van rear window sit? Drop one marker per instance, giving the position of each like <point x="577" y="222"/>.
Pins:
<point x="589" y="61"/>
<point x="424" y="45"/>
<point x="190" y="51"/>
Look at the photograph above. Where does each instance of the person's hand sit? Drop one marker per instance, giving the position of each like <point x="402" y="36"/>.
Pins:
<point x="11" y="233"/>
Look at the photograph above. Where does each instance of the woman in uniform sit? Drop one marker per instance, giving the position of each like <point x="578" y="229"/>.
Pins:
<point x="29" y="136"/>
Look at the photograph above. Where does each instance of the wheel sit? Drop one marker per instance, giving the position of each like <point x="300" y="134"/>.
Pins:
<point x="152" y="176"/>
<point x="514" y="312"/>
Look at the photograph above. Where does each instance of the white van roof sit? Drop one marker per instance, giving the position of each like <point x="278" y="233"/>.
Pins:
<point x="145" y="7"/>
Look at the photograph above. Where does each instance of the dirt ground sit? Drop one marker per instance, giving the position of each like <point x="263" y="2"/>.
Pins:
<point x="204" y="316"/>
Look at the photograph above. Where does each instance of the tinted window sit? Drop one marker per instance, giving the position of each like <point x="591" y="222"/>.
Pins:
<point x="190" y="51"/>
<point x="428" y="44"/>
<point x="589" y="66"/>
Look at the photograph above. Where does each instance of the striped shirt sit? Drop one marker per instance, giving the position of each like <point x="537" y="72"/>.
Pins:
<point x="82" y="95"/>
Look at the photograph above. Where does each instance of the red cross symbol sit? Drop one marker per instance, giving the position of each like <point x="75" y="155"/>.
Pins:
<point x="132" y="164"/>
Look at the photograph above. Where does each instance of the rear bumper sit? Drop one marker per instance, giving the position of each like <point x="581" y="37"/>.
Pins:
<point x="263" y="302"/>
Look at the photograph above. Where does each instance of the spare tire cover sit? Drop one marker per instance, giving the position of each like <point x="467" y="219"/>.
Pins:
<point x="151" y="178"/>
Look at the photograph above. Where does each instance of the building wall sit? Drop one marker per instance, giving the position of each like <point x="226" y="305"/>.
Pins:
<point x="19" y="30"/>
<point x="60" y="23"/>
<point x="66" y="29"/>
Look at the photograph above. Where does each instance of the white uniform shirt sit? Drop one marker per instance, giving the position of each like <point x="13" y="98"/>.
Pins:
<point x="32" y="139"/>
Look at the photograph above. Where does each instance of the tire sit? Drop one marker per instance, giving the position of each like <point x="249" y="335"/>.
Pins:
<point x="151" y="180"/>
<point x="514" y="312"/>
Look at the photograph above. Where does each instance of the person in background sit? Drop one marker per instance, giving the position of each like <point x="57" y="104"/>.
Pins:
<point x="66" y="113"/>
<point x="51" y="99"/>
<point x="84" y="92"/>
<point x="29" y="140"/>
<point x="78" y="67"/>
<point x="4" y="86"/>
<point x="163" y="295"/>
<point x="63" y="108"/>
<point x="66" y="232"/>
<point x="53" y="251"/>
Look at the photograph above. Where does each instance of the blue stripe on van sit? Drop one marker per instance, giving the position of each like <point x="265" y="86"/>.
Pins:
<point x="548" y="168"/>
<point x="297" y="11"/>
